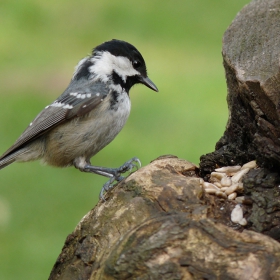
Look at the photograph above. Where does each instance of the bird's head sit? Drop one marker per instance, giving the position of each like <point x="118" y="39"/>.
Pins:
<point x="116" y="62"/>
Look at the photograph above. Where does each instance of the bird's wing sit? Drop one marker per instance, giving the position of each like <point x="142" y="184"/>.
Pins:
<point x="67" y="106"/>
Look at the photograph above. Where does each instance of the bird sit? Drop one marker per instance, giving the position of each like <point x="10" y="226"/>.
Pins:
<point x="88" y="115"/>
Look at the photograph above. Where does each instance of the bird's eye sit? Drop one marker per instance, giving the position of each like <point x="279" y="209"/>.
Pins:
<point x="136" y="63"/>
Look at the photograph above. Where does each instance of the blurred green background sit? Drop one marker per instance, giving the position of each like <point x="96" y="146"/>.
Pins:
<point x="41" y="42"/>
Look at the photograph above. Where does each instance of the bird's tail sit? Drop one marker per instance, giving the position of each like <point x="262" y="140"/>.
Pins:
<point x="8" y="159"/>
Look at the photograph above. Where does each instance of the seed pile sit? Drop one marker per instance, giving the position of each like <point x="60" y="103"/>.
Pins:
<point x="226" y="182"/>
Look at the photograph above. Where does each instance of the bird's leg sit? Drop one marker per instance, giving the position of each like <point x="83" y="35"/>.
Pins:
<point x="113" y="173"/>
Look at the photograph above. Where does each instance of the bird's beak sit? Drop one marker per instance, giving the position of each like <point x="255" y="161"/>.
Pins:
<point x="147" y="82"/>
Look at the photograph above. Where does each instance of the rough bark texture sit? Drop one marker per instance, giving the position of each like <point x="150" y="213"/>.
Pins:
<point x="251" y="52"/>
<point x="160" y="224"/>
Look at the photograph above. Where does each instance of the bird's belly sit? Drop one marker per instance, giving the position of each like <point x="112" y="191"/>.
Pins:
<point x="85" y="136"/>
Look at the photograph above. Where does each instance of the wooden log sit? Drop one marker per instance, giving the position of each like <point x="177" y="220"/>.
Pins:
<point x="160" y="224"/>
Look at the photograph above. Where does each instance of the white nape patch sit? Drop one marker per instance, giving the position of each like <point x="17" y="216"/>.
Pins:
<point x="74" y="93"/>
<point x="78" y="66"/>
<point x="104" y="63"/>
<point x="67" y="106"/>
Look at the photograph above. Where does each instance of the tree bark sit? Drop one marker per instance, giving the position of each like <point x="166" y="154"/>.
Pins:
<point x="251" y="52"/>
<point x="251" y="48"/>
<point x="159" y="223"/>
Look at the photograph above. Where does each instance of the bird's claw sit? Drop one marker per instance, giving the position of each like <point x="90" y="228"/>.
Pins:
<point x="106" y="187"/>
<point x="129" y="165"/>
<point x="126" y="167"/>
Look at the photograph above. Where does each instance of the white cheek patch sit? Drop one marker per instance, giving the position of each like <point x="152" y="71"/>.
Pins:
<point x="123" y="67"/>
<point x="104" y="63"/>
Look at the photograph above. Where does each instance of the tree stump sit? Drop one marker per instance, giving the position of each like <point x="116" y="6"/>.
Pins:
<point x="159" y="223"/>
<point x="251" y="48"/>
<point x="251" y="52"/>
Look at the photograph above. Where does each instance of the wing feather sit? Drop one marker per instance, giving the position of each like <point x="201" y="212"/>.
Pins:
<point x="67" y="106"/>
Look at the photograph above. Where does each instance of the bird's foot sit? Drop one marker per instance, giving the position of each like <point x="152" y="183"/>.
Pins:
<point x="126" y="167"/>
<point x="116" y="172"/>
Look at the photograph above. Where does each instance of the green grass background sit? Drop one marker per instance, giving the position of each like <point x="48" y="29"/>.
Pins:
<point x="41" y="42"/>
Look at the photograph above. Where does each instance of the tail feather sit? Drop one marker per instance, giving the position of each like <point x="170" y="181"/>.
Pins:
<point x="6" y="161"/>
<point x="10" y="158"/>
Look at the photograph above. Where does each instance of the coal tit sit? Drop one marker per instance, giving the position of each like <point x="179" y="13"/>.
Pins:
<point x="88" y="115"/>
